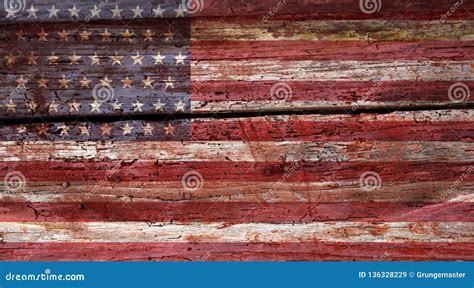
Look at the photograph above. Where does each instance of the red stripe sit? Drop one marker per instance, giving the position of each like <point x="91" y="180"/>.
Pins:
<point x="332" y="50"/>
<point x="350" y="91"/>
<point x="347" y="130"/>
<point x="315" y="251"/>
<point x="335" y="9"/>
<point x="116" y="171"/>
<point x="236" y="212"/>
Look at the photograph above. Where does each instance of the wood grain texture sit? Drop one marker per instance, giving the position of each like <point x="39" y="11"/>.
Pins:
<point x="339" y="133"/>
<point x="238" y="212"/>
<point x="234" y="66"/>
<point x="117" y="232"/>
<point x="262" y="10"/>
<point x="200" y="251"/>
<point x="337" y="191"/>
<point x="238" y="151"/>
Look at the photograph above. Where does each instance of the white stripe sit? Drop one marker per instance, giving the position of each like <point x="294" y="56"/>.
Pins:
<point x="305" y="70"/>
<point x="238" y="151"/>
<point x="225" y="232"/>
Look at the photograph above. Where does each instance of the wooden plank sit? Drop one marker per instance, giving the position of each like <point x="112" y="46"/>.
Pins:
<point x="263" y="10"/>
<point x="238" y="151"/>
<point x="336" y="69"/>
<point x="435" y="125"/>
<point x="372" y="31"/>
<point x="138" y="232"/>
<point x="237" y="212"/>
<point x="199" y="251"/>
<point x="109" y="189"/>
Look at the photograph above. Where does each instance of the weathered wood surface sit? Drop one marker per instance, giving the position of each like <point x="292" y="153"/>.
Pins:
<point x="139" y="173"/>
<point x="294" y="171"/>
<point x="118" y="232"/>
<point x="233" y="66"/>
<point x="260" y="10"/>
<point x="199" y="251"/>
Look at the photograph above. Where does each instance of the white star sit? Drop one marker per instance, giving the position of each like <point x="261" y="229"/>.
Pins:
<point x="84" y="130"/>
<point x="53" y="12"/>
<point x="10" y="12"/>
<point x="148" y="129"/>
<point x="21" y="130"/>
<point x="53" y="106"/>
<point x="137" y="59"/>
<point x="64" y="130"/>
<point x="158" y="105"/>
<point x="117" y="12"/>
<point x="74" y="106"/>
<point x="179" y="58"/>
<point x="32" y="105"/>
<point x="180" y="106"/>
<point x="95" y="12"/>
<point x="95" y="59"/>
<point x="11" y="106"/>
<point x="116" y="106"/>
<point x="74" y="11"/>
<point x="158" y="58"/>
<point x="169" y="82"/>
<point x="95" y="106"/>
<point x="127" y="129"/>
<point x="32" y="12"/>
<point x="137" y="106"/>
<point x="179" y="11"/>
<point x="21" y="82"/>
<point x="137" y="12"/>
<point x="106" y="129"/>
<point x="158" y="11"/>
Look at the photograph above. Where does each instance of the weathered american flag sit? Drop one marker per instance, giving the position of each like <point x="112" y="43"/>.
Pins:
<point x="237" y="130"/>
